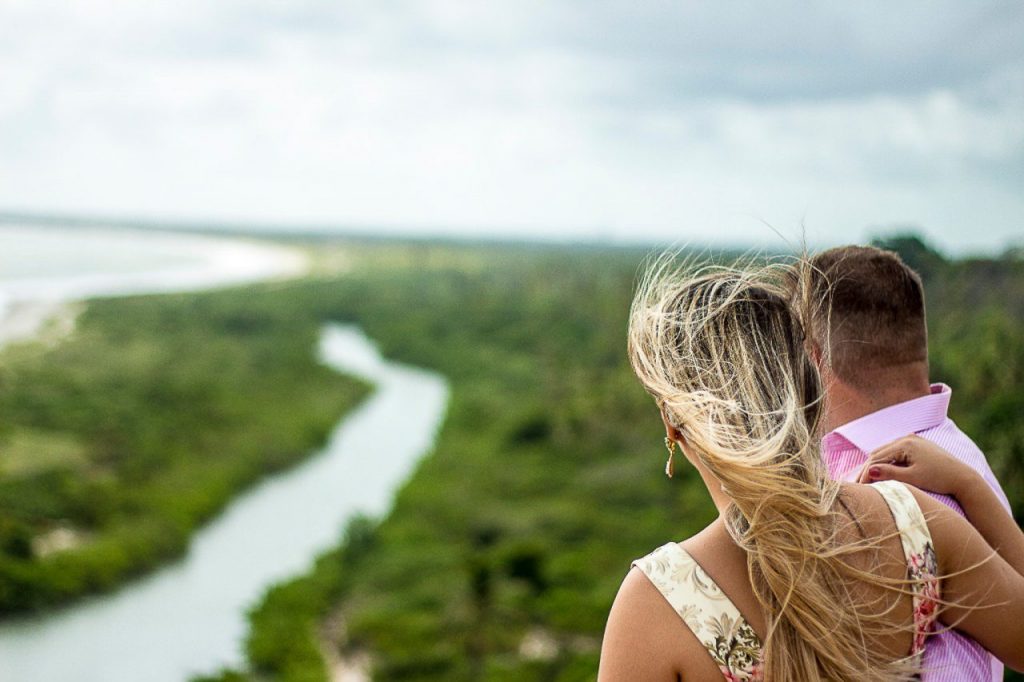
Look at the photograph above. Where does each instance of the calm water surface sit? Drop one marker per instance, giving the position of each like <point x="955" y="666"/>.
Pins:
<point x="189" y="617"/>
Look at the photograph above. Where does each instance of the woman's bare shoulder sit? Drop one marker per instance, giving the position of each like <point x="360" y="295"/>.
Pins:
<point x="646" y="639"/>
<point x="640" y="641"/>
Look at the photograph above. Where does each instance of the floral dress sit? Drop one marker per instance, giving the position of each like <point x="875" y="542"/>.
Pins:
<point x="729" y="639"/>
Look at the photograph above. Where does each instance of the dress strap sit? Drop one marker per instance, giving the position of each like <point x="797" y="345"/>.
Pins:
<point x="710" y="615"/>
<point x="922" y="565"/>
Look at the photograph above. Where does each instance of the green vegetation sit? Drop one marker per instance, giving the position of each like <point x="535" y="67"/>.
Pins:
<point x="544" y="481"/>
<point x="120" y="441"/>
<point x="502" y="554"/>
<point x="503" y="551"/>
<point x="288" y="626"/>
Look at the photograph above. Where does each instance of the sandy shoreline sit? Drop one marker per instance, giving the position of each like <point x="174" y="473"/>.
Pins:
<point x="31" y="305"/>
<point x="25" y="320"/>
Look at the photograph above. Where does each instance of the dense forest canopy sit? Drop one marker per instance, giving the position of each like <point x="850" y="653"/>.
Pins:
<point x="504" y="549"/>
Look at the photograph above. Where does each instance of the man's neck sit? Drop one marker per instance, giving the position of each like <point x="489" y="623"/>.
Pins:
<point x="845" y="402"/>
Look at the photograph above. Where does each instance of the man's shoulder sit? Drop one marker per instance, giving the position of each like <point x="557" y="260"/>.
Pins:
<point x="948" y="435"/>
<point x="951" y="438"/>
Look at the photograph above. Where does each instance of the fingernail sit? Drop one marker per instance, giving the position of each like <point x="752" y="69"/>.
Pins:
<point x="873" y="472"/>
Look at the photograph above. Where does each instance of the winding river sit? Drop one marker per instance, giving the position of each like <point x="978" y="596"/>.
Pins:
<point x="189" y="617"/>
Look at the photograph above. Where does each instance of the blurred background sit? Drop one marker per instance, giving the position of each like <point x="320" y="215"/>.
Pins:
<point x="312" y="314"/>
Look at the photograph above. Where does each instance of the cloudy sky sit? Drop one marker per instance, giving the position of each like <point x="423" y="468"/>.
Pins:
<point x="587" y="119"/>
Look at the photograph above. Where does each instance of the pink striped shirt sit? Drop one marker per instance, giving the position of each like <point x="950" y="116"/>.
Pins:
<point x="949" y="656"/>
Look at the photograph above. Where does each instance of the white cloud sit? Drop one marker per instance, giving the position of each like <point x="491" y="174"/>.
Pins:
<point x="604" y="119"/>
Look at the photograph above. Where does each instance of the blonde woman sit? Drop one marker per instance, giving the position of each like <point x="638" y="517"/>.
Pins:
<point x="800" y="577"/>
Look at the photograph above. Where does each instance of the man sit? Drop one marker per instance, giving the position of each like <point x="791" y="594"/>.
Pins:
<point x="871" y="343"/>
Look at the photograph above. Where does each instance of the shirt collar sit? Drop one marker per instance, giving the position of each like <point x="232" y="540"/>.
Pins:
<point x="874" y="430"/>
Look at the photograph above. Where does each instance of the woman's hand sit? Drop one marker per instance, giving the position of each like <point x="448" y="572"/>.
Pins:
<point x="920" y="463"/>
<point x="925" y="465"/>
<point x="985" y="594"/>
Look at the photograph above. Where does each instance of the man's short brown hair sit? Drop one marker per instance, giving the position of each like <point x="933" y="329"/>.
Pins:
<point x="871" y="313"/>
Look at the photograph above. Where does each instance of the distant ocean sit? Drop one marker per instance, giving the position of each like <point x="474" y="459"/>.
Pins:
<point x="41" y="267"/>
<point x="40" y="252"/>
<point x="53" y="263"/>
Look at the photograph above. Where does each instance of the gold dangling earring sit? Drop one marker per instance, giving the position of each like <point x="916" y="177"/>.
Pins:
<point x="671" y="445"/>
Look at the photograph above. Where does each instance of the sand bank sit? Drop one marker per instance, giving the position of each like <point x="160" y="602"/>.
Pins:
<point x="42" y="270"/>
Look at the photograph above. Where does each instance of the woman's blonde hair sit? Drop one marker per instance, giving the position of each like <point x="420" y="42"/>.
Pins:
<point x="723" y="352"/>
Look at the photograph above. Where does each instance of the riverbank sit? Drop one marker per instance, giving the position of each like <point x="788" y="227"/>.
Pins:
<point x="191" y="615"/>
<point x="151" y="417"/>
<point x="29" y="320"/>
<point x="499" y="556"/>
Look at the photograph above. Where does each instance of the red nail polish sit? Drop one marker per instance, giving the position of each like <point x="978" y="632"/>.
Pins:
<point x="873" y="472"/>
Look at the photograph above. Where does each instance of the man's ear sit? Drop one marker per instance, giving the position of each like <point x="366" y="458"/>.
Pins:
<point x="816" y="353"/>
